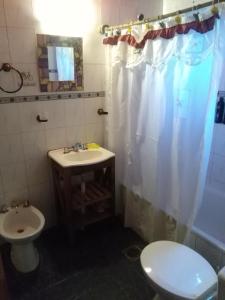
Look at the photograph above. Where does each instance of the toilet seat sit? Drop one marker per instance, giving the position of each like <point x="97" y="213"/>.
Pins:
<point x="178" y="270"/>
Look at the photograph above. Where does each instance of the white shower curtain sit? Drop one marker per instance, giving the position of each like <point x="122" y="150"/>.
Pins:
<point x="161" y="102"/>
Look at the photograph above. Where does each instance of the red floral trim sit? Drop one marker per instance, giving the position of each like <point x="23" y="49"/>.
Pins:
<point x="166" y="33"/>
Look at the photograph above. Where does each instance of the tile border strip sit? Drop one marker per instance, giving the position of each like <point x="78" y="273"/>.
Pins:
<point x="48" y="97"/>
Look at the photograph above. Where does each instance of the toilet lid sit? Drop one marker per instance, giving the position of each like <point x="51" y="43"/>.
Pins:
<point x="178" y="269"/>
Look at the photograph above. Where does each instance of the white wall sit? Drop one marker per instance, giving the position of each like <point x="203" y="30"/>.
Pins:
<point x="20" y="21"/>
<point x="121" y="11"/>
<point x="24" y="169"/>
<point x="174" y="5"/>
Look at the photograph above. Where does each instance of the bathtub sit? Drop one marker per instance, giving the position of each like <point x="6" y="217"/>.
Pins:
<point x="208" y="233"/>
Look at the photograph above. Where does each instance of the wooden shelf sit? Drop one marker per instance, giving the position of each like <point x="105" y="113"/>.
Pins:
<point x="94" y="193"/>
<point x="90" y="217"/>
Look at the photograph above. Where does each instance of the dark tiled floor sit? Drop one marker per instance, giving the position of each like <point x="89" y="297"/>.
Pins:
<point x="95" y="268"/>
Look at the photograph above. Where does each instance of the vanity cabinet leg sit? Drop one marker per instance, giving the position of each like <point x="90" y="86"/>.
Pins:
<point x="68" y="218"/>
<point x="56" y="185"/>
<point x="112" y="184"/>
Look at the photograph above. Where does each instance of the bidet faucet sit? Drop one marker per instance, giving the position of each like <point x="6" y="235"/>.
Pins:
<point x="3" y="209"/>
<point x="14" y="204"/>
<point x="26" y="203"/>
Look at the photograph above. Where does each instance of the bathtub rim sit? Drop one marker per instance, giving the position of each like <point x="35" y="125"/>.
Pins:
<point x="211" y="240"/>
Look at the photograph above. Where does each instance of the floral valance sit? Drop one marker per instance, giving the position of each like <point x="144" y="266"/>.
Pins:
<point x="166" y="33"/>
<point x="136" y="36"/>
<point x="191" y="41"/>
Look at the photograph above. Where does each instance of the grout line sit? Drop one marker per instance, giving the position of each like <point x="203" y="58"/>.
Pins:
<point x="7" y="32"/>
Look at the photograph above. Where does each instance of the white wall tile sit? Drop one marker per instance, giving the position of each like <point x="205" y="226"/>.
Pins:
<point x="210" y="166"/>
<point x="219" y="139"/>
<point x="28" y="114"/>
<point x="174" y="5"/>
<point x="110" y="12"/>
<point x="191" y="241"/>
<point x="2" y="15"/>
<point x="11" y="150"/>
<point x="128" y="11"/>
<point x="218" y="186"/>
<point x="55" y="113"/>
<point x="94" y="133"/>
<point x="22" y="44"/>
<point x="13" y="177"/>
<point x="94" y="77"/>
<point x="94" y="50"/>
<point x="74" y="112"/>
<point x="34" y="145"/>
<point x="41" y="196"/>
<point x="1" y="185"/>
<point x="27" y="89"/>
<point x="212" y="254"/>
<point x="2" y="201"/>
<point x="91" y="108"/>
<point x="4" y="49"/>
<point x="75" y="134"/>
<point x="218" y="169"/>
<point x="9" y="119"/>
<point x="56" y="138"/>
<point x="16" y="195"/>
<point x="19" y="13"/>
<point x="116" y="12"/>
<point x="150" y="8"/>
<point x="37" y="171"/>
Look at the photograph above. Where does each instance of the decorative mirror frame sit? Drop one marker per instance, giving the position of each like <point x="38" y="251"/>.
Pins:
<point x="43" y="41"/>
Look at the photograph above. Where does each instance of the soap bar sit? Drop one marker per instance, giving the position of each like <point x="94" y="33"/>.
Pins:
<point x="93" y="146"/>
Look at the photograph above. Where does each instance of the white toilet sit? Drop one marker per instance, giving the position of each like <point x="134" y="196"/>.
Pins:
<point x="178" y="272"/>
<point x="20" y="226"/>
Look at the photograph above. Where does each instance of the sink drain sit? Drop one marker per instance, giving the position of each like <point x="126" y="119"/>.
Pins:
<point x="133" y="252"/>
<point x="20" y="230"/>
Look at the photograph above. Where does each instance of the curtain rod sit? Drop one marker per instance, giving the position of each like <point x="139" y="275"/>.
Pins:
<point x="161" y="17"/>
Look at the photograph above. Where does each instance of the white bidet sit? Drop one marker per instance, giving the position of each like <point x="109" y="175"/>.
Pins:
<point x="20" y="226"/>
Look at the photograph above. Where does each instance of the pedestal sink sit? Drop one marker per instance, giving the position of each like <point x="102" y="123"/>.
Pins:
<point x="80" y="158"/>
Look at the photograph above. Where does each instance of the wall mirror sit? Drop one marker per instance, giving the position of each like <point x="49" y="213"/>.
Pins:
<point x="60" y="63"/>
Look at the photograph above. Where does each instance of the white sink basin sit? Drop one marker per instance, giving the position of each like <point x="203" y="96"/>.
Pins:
<point x="80" y="158"/>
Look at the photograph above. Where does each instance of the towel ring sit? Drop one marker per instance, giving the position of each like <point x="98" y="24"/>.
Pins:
<point x="6" y="67"/>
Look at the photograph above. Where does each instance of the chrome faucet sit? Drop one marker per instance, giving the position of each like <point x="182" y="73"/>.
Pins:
<point x="80" y="146"/>
<point x="3" y="209"/>
<point x="77" y="147"/>
<point x="67" y="150"/>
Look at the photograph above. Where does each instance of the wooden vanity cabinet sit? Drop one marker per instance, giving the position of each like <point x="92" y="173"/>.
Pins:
<point x="84" y="194"/>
